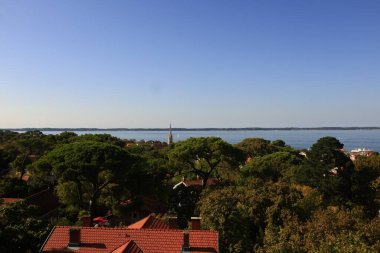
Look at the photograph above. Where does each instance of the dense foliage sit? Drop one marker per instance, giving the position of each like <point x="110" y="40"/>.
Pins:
<point x="20" y="228"/>
<point x="261" y="195"/>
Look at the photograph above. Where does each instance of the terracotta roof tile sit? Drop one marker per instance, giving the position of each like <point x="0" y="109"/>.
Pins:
<point x="129" y="247"/>
<point x="11" y="200"/>
<point x="149" y="222"/>
<point x="148" y="240"/>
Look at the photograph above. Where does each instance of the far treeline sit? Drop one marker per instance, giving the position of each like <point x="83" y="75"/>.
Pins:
<point x="193" y="129"/>
<point x="261" y="195"/>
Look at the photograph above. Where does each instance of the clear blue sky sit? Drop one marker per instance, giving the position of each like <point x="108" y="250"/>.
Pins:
<point x="205" y="63"/>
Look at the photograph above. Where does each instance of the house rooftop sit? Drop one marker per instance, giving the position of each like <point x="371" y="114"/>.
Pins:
<point x="10" y="200"/>
<point x="126" y="240"/>
<point x="149" y="222"/>
<point x="129" y="247"/>
<point x="45" y="200"/>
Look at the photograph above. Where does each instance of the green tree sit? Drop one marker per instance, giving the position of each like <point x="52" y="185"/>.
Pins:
<point x="278" y="143"/>
<point x="328" y="169"/>
<point x="20" y="164"/>
<point x="329" y="230"/>
<point x="205" y="157"/>
<point x="244" y="214"/>
<point x="221" y="210"/>
<point x="20" y="228"/>
<point x="272" y="166"/>
<point x="153" y="170"/>
<point x="62" y="138"/>
<point x="255" y="146"/>
<point x="85" y="171"/>
<point x="106" y="138"/>
<point x="11" y="187"/>
<point x="366" y="183"/>
<point x="183" y="201"/>
<point x="327" y="152"/>
<point x="25" y="145"/>
<point x="6" y="135"/>
<point x="5" y="158"/>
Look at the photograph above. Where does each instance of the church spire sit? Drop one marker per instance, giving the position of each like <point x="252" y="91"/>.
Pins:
<point x="170" y="135"/>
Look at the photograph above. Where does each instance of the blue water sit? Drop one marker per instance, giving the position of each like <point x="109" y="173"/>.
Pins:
<point x="301" y="139"/>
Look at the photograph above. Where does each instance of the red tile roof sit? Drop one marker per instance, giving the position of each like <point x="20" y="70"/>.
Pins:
<point x="45" y="200"/>
<point x="10" y="200"/>
<point x="129" y="247"/>
<point x="101" y="239"/>
<point x="149" y="222"/>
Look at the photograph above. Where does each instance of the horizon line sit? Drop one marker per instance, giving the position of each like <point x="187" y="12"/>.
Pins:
<point x="187" y="129"/>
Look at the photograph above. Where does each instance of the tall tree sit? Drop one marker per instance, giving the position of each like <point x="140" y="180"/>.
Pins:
<point x="24" y="146"/>
<point x="272" y="166"/>
<point x="106" y="138"/>
<point x="328" y="169"/>
<point x="327" y="152"/>
<point x="366" y="182"/>
<point x="84" y="170"/>
<point x="255" y="146"/>
<point x="205" y="157"/>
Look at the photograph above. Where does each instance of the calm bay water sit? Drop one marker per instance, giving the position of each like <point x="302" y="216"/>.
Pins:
<point x="296" y="138"/>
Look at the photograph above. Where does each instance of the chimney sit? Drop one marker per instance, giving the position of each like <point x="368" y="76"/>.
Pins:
<point x="86" y="221"/>
<point x="196" y="223"/>
<point x="74" y="237"/>
<point x="186" y="242"/>
<point x="173" y="224"/>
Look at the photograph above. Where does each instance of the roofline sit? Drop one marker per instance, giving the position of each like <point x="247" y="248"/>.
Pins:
<point x="126" y="228"/>
<point x="47" y="238"/>
<point x="46" y="214"/>
<point x="119" y="246"/>
<point x="190" y="230"/>
<point x="142" y="226"/>
<point x="128" y="245"/>
<point x="37" y="193"/>
<point x="217" y="242"/>
<point x="182" y="182"/>
<point x="138" y="246"/>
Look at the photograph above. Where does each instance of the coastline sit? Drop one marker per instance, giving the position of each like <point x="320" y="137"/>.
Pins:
<point x="194" y="129"/>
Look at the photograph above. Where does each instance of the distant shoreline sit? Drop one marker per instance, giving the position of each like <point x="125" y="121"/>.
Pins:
<point x="192" y="129"/>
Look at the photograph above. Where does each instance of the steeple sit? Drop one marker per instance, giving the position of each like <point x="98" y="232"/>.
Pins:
<point x="170" y="135"/>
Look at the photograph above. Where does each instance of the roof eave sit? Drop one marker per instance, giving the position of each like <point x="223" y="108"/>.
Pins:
<point x="47" y="238"/>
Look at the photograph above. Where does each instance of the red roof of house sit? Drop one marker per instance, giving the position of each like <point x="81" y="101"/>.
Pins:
<point x="149" y="222"/>
<point x="129" y="247"/>
<point x="125" y="240"/>
<point x="45" y="200"/>
<point x="10" y="200"/>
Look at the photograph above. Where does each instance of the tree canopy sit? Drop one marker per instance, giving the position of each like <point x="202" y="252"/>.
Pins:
<point x="84" y="170"/>
<point x="271" y="166"/>
<point x="205" y="157"/>
<point x="276" y="201"/>
<point x="20" y="228"/>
